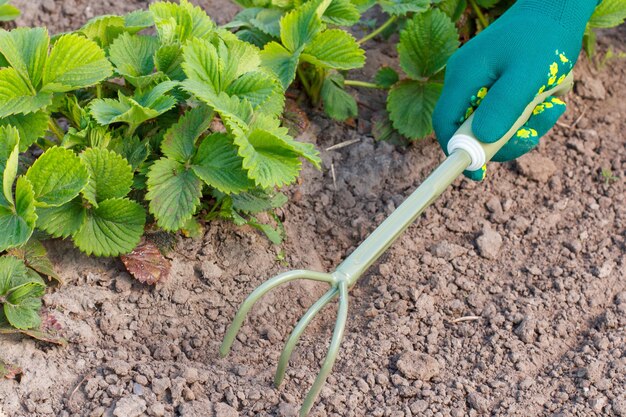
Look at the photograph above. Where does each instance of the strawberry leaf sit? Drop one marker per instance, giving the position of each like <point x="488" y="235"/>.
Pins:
<point x="334" y="48"/>
<point x="114" y="227"/>
<point x="174" y="193"/>
<point x="133" y="57"/>
<point x="410" y="105"/>
<point x="75" y="62"/>
<point x="426" y="43"/>
<point x="281" y="62"/>
<point x="110" y="175"/>
<point x="147" y="264"/>
<point x="17" y="221"/>
<point x="17" y="96"/>
<point x="219" y="166"/>
<point x="30" y="126"/>
<point x="342" y="13"/>
<point x="57" y="177"/>
<point x="300" y="26"/>
<point x="26" y="50"/>
<point x="402" y="7"/>
<point x="179" y="142"/>
<point x="338" y="104"/>
<point x="35" y="256"/>
<point x="270" y="161"/>
<point x="62" y="221"/>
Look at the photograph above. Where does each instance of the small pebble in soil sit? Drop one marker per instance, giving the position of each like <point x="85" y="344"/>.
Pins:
<point x="131" y="406"/>
<point x="447" y="250"/>
<point x="489" y="243"/>
<point x="416" y="365"/>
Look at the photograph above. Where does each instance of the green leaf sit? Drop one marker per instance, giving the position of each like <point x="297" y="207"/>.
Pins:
<point x="9" y="12"/>
<point x="57" y="177"/>
<point x="168" y="60"/>
<point x="426" y="43"/>
<point x="34" y="254"/>
<point x="132" y="149"/>
<point x="138" y="20"/>
<point x="281" y="62"/>
<point x="338" y="104"/>
<point x="487" y="4"/>
<point x="386" y="77"/>
<point x="179" y="142"/>
<point x="103" y="29"/>
<point x="62" y="221"/>
<point x="336" y="49"/>
<point x="180" y="22"/>
<point x="453" y="8"/>
<point x="402" y="7"/>
<point x="300" y="26"/>
<point x="254" y="37"/>
<point x="174" y="193"/>
<point x="608" y="14"/>
<point x="24" y="315"/>
<point x="268" y="159"/>
<point x="17" y="96"/>
<point x="113" y="228"/>
<point x="134" y="110"/>
<point x="267" y="21"/>
<point x="17" y="221"/>
<point x="262" y="90"/>
<point x="410" y="105"/>
<point x="219" y="166"/>
<point x="75" y="62"/>
<point x="9" y="154"/>
<point x="133" y="57"/>
<point x="30" y="126"/>
<point x="258" y="201"/>
<point x="342" y="13"/>
<point x="110" y="175"/>
<point x="12" y="270"/>
<point x="272" y="125"/>
<point x="26" y="50"/>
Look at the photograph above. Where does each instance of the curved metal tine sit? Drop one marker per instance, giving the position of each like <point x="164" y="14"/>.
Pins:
<point x="297" y="333"/>
<point x="333" y="349"/>
<point x="264" y="288"/>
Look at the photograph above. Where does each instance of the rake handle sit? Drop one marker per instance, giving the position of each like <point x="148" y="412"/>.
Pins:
<point x="437" y="182"/>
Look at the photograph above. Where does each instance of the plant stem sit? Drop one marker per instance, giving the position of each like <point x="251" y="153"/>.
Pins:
<point x="304" y="81"/>
<point x="379" y="30"/>
<point x="54" y="127"/>
<point x="365" y="84"/>
<point x="99" y="91"/>
<point x="479" y="13"/>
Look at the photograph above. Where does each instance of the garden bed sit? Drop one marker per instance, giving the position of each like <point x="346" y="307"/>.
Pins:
<point x="506" y="298"/>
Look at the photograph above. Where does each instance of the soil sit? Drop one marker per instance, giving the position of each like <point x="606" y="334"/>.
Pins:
<point x="506" y="298"/>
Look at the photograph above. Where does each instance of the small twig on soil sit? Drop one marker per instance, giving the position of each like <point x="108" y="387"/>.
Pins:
<point x="82" y="381"/>
<point x="343" y="144"/>
<point x="465" y="318"/>
<point x="332" y="172"/>
<point x="578" y="119"/>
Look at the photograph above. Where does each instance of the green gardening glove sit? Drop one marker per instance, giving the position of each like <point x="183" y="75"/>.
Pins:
<point x="529" y="49"/>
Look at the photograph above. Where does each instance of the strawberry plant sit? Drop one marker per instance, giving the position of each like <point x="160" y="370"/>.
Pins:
<point x="314" y="52"/>
<point x="160" y="127"/>
<point x="20" y="294"/>
<point x="608" y="14"/>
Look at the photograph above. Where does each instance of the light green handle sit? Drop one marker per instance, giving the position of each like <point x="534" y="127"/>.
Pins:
<point x="437" y="182"/>
<point x="492" y="148"/>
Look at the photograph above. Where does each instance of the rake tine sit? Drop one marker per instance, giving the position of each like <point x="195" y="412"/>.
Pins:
<point x="333" y="350"/>
<point x="297" y="332"/>
<point x="233" y="329"/>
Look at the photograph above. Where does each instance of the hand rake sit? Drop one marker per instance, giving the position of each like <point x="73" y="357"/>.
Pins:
<point x="465" y="152"/>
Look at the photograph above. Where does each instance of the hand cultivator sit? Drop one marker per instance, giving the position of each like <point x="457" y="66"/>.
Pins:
<point x="465" y="152"/>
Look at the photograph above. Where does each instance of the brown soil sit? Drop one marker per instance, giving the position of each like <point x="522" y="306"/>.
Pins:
<point x="533" y="258"/>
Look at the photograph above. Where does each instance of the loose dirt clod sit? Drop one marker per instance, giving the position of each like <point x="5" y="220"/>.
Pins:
<point x="416" y="365"/>
<point x="489" y="243"/>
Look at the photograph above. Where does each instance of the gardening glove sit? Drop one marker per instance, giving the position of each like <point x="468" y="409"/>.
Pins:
<point x="530" y="48"/>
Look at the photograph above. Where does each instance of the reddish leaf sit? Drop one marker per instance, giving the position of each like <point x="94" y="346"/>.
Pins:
<point x="147" y="264"/>
<point x="49" y="331"/>
<point x="8" y="371"/>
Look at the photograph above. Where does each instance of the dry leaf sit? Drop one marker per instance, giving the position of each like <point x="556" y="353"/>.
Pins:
<point x="8" y="371"/>
<point x="147" y="264"/>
